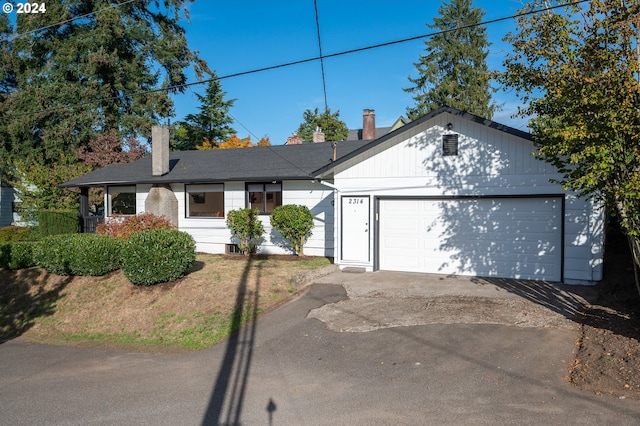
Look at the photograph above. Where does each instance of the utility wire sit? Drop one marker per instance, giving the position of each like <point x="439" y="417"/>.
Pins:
<point x="324" y="82"/>
<point x="178" y="87"/>
<point x="75" y="18"/>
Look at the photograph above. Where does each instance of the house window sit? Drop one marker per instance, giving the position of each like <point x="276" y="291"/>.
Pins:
<point x="264" y="196"/>
<point x="205" y="200"/>
<point x="450" y="144"/>
<point x="121" y="200"/>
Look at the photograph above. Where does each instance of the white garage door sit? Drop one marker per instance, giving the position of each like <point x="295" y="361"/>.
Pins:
<point x="489" y="237"/>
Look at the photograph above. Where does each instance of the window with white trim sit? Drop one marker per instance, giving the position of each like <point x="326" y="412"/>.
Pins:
<point x="205" y="200"/>
<point x="121" y="200"/>
<point x="264" y="196"/>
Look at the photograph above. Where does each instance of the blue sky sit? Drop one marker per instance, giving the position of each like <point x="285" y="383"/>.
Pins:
<point x="239" y="36"/>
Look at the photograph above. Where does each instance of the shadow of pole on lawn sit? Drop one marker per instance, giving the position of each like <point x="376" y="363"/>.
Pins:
<point x="227" y="397"/>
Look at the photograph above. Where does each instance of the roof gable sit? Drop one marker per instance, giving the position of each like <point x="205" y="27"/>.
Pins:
<point x="404" y="132"/>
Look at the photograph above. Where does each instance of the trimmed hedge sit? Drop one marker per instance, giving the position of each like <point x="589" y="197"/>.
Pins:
<point x="157" y="256"/>
<point x="78" y="254"/>
<point x="94" y="255"/>
<point x="10" y="234"/>
<point x="52" y="253"/>
<point x="54" y="222"/>
<point x="16" y="255"/>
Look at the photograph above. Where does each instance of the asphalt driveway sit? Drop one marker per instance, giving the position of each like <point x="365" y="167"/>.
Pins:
<point x="342" y="353"/>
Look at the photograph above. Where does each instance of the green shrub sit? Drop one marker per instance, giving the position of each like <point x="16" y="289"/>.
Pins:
<point x="53" y="254"/>
<point x="21" y="255"/>
<point x="14" y="233"/>
<point x="157" y="256"/>
<point x="5" y="254"/>
<point x="78" y="254"/>
<point x="125" y="227"/>
<point x="94" y="255"/>
<point x="247" y="228"/>
<point x="294" y="222"/>
<point x="54" y="222"/>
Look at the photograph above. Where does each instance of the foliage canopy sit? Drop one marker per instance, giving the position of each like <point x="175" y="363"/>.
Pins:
<point x="453" y="71"/>
<point x="63" y="80"/>
<point x="333" y="128"/>
<point x="295" y="223"/>
<point x="212" y="123"/>
<point x="576" y="69"/>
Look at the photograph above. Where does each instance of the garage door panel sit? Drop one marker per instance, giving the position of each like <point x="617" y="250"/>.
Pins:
<point x="510" y="238"/>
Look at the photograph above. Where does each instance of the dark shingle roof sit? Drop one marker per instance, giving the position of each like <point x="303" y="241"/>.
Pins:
<point x="245" y="164"/>
<point x="356" y="134"/>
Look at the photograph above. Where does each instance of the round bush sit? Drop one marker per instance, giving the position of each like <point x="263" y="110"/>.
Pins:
<point x="94" y="255"/>
<point x="78" y="254"/>
<point x="53" y="254"/>
<point x="157" y="256"/>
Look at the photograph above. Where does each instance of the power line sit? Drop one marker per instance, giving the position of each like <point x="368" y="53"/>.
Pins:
<point x="179" y="87"/>
<point x="324" y="82"/>
<point x="75" y="18"/>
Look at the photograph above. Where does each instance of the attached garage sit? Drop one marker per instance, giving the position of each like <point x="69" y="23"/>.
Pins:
<point x="506" y="237"/>
<point x="452" y="193"/>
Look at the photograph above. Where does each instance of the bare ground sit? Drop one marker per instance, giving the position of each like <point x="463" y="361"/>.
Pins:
<point x="608" y="349"/>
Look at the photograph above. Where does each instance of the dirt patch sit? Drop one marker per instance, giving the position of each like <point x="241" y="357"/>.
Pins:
<point x="608" y="349"/>
<point x="219" y="294"/>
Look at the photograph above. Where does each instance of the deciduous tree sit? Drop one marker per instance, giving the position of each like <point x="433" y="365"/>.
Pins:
<point x="453" y="71"/>
<point x="576" y="70"/>
<point x="333" y="128"/>
<point x="233" y="142"/>
<point x="108" y="148"/>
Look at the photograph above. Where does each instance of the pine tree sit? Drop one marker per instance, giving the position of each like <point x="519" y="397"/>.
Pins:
<point x="333" y="128"/>
<point x="76" y="77"/>
<point x="453" y="71"/>
<point x="64" y="80"/>
<point x="212" y="122"/>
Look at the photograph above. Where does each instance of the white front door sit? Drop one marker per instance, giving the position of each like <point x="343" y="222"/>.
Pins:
<point x="355" y="229"/>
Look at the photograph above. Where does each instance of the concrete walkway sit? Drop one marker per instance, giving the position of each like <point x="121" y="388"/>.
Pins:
<point x="289" y="369"/>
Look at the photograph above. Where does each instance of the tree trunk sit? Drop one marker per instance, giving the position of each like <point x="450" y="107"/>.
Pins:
<point x="634" y="245"/>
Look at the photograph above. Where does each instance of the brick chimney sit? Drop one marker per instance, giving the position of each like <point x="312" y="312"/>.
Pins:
<point x="318" y="136"/>
<point x="294" y="139"/>
<point x="368" y="124"/>
<point x="159" y="150"/>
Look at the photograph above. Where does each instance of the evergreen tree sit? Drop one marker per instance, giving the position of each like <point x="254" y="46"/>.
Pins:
<point x="333" y="128"/>
<point x="69" y="79"/>
<point x="76" y="77"/>
<point x="453" y="71"/>
<point x="212" y="122"/>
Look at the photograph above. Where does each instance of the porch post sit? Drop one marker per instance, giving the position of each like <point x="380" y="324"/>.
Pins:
<point x="84" y="207"/>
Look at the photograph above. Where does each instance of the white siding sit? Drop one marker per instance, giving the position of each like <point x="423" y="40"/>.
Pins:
<point x="212" y="235"/>
<point x="490" y="163"/>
